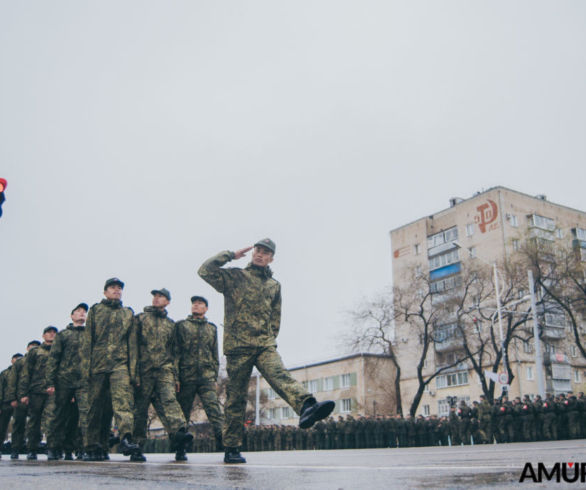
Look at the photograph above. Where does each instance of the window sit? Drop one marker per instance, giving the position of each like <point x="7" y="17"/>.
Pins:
<point x="529" y="374"/>
<point x="345" y="381"/>
<point x="442" y="237"/>
<point x="426" y="410"/>
<point x="576" y="376"/>
<point x="443" y="408"/>
<point x="313" y="386"/>
<point x="452" y="379"/>
<point x="416" y="248"/>
<point x="472" y="252"/>
<point x="271" y="394"/>
<point x="527" y="347"/>
<point x="542" y="222"/>
<point x="286" y="412"/>
<point x="442" y="285"/>
<point x="443" y="259"/>
<point x="581" y="234"/>
<point x="273" y="413"/>
<point x="346" y="406"/>
<point x="513" y="221"/>
<point x="470" y="229"/>
<point x="559" y="233"/>
<point x="573" y="351"/>
<point x="516" y="245"/>
<point x="329" y="383"/>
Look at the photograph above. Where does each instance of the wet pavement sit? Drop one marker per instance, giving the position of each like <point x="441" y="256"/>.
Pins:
<point x="490" y="466"/>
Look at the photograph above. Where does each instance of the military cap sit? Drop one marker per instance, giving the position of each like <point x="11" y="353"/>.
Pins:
<point x="266" y="243"/>
<point x="18" y="354"/>
<point x="199" y="298"/>
<point x="49" y="328"/>
<point x="112" y="281"/>
<point x="33" y="342"/>
<point x="80" y="305"/>
<point x="162" y="292"/>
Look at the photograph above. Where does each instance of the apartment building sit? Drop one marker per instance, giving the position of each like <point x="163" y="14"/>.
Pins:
<point x="360" y="384"/>
<point x="490" y="226"/>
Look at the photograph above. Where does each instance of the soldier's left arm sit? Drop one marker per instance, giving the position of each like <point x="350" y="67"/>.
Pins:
<point x="276" y="312"/>
<point x="54" y="361"/>
<point x="133" y="348"/>
<point x="215" y="352"/>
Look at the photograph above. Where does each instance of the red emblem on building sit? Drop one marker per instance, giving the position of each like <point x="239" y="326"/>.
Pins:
<point x="487" y="214"/>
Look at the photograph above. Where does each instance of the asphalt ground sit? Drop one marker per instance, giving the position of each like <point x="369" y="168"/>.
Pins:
<point x="486" y="466"/>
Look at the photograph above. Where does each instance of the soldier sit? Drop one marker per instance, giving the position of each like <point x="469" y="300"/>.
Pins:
<point x="538" y="411"/>
<point x="485" y="419"/>
<point x="158" y="381"/>
<point x="465" y="415"/>
<point x="65" y="384"/>
<point x="19" y="409"/>
<point x="5" y="407"/>
<point x="573" y="414"/>
<point x="252" y="303"/>
<point x="550" y="432"/>
<point x="197" y="343"/>
<point x="32" y="390"/>
<point x="528" y="419"/>
<point x="109" y="363"/>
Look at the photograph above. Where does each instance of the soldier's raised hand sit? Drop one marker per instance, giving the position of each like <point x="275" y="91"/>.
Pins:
<point x="241" y="253"/>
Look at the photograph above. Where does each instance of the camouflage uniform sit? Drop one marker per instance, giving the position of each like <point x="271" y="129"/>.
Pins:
<point x="5" y="408"/>
<point x="156" y="341"/>
<point x="64" y="373"/>
<point x="34" y="386"/>
<point x="109" y="354"/>
<point x="20" y="412"/>
<point x="252" y="307"/>
<point x="197" y="342"/>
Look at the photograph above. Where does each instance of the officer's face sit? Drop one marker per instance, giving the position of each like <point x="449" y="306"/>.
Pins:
<point x="78" y="316"/>
<point x="198" y="308"/>
<point x="262" y="256"/>
<point x="160" y="301"/>
<point x="113" y="292"/>
<point x="49" y="336"/>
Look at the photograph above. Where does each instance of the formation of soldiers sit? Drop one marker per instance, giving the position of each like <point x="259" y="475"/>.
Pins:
<point x="110" y="364"/>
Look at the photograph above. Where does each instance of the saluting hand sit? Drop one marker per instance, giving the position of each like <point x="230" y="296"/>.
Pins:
<point x="241" y="253"/>
<point x="51" y="390"/>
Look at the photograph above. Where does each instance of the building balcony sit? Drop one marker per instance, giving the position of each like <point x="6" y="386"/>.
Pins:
<point x="449" y="344"/>
<point x="555" y="358"/>
<point x="553" y="333"/>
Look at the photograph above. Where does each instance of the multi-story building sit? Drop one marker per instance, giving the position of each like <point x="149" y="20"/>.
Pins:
<point x="491" y="226"/>
<point x="358" y="383"/>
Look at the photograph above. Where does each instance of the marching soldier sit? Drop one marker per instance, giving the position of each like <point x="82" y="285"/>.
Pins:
<point x="109" y="363"/>
<point x="197" y="342"/>
<point x="32" y="390"/>
<point x="157" y="382"/>
<point x="65" y="384"/>
<point x="5" y="407"/>
<point x="252" y="302"/>
<point x="19" y="409"/>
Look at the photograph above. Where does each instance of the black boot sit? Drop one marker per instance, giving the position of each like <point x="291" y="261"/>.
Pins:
<point x="53" y="455"/>
<point x="127" y="447"/>
<point x="181" y="440"/>
<point x="32" y="456"/>
<point x="312" y="411"/>
<point x="14" y="455"/>
<point x="137" y="457"/>
<point x="181" y="455"/>
<point x="232" y="456"/>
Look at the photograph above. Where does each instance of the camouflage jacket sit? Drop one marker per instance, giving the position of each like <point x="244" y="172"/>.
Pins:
<point x="109" y="339"/>
<point x="63" y="366"/>
<point x="32" y="377"/>
<point x="4" y="376"/>
<point x="14" y="378"/>
<point x="197" y="341"/>
<point x="156" y="341"/>
<point x="252" y="302"/>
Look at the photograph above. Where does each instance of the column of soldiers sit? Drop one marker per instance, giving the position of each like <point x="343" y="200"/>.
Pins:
<point x="110" y="364"/>
<point x="560" y="417"/>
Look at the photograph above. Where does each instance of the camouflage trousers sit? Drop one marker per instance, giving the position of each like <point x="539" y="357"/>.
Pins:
<point x="206" y="389"/>
<point x="18" y="427"/>
<point x="66" y="422"/>
<point x="270" y="365"/>
<point x="109" y="393"/>
<point x="5" y="415"/>
<point x="156" y="387"/>
<point x="39" y="406"/>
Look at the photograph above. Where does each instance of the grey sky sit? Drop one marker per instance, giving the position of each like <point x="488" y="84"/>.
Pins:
<point x="140" y="138"/>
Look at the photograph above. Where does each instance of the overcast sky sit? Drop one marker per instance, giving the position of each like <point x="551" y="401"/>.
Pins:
<point x="141" y="137"/>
